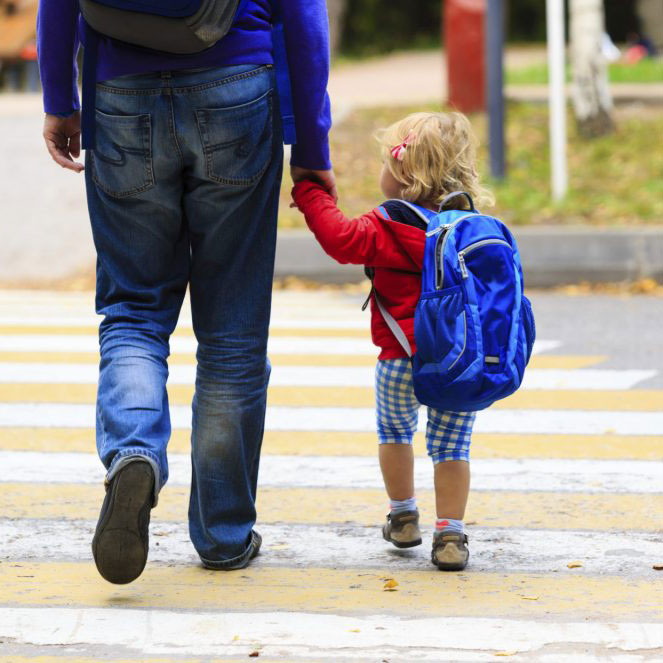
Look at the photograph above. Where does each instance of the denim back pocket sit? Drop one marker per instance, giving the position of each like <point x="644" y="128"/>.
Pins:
<point x="237" y="140"/>
<point x="122" y="158"/>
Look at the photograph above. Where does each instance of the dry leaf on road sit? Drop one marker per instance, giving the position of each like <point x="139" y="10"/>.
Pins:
<point x="390" y="585"/>
<point x="574" y="565"/>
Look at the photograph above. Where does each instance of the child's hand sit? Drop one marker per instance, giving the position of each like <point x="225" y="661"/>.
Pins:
<point x="325" y="178"/>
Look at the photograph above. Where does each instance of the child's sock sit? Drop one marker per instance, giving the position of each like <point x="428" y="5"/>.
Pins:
<point x="398" y="506"/>
<point x="450" y="524"/>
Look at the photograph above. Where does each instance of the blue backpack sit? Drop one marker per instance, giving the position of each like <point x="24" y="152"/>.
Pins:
<point x="473" y="326"/>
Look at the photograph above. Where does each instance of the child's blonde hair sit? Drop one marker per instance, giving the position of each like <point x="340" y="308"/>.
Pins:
<point x="439" y="158"/>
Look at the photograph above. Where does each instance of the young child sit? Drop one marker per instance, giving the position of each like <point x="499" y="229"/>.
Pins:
<point x="425" y="157"/>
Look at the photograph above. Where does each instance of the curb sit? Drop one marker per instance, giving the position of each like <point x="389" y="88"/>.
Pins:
<point x="552" y="256"/>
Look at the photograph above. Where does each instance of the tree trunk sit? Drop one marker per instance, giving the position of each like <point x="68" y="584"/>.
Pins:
<point x="336" y="11"/>
<point x="592" y="100"/>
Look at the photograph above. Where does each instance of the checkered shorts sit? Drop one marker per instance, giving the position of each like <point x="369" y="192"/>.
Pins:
<point x="447" y="433"/>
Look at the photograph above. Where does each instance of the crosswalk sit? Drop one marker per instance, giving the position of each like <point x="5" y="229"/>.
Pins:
<point x="564" y="516"/>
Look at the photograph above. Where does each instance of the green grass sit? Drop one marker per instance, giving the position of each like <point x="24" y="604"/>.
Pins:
<point x="617" y="179"/>
<point x="648" y="70"/>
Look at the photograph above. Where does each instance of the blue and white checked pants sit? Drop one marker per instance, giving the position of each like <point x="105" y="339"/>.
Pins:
<point x="447" y="433"/>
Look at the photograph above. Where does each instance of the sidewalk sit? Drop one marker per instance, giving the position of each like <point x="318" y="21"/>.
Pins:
<point x="420" y="77"/>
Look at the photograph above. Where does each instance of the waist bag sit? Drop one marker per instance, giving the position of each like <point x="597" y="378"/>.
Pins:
<point x="181" y="27"/>
<point x="473" y="326"/>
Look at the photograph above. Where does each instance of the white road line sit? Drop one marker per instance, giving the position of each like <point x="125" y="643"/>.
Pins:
<point x="343" y="546"/>
<point x="594" y="476"/>
<point x="304" y="635"/>
<point x="188" y="344"/>
<point x="565" y="422"/>
<point x="325" y="376"/>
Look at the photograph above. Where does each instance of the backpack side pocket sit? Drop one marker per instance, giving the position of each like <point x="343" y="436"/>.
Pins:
<point x="441" y="328"/>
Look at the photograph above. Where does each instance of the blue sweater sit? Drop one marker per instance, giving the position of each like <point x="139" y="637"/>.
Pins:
<point x="59" y="26"/>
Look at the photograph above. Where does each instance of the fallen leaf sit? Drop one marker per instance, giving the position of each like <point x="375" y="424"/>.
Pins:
<point x="354" y="630"/>
<point x="390" y="585"/>
<point x="530" y="598"/>
<point x="505" y="653"/>
<point x="235" y="638"/>
<point x="574" y="565"/>
<point x="658" y="567"/>
<point x="253" y="654"/>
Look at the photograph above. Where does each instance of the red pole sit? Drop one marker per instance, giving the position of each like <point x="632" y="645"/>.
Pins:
<point x="464" y="43"/>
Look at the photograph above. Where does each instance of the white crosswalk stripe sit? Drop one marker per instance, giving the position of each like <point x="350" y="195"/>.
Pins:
<point x="610" y="476"/>
<point x="571" y="422"/>
<point x="325" y="376"/>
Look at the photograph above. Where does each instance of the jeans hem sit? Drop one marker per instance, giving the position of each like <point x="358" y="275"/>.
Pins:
<point x="123" y="458"/>
<point x="239" y="562"/>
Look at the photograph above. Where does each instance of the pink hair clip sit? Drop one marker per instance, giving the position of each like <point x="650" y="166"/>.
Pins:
<point x="398" y="152"/>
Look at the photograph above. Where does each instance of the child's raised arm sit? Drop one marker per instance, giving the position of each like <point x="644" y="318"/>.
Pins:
<point x="367" y="240"/>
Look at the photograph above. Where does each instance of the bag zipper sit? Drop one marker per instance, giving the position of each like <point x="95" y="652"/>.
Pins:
<point x="471" y="247"/>
<point x="439" y="251"/>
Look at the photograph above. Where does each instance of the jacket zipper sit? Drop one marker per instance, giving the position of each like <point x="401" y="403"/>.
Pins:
<point x="471" y="247"/>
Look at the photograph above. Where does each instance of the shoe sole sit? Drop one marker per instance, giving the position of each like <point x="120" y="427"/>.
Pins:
<point x="118" y="548"/>
<point x="451" y="563"/>
<point x="402" y="544"/>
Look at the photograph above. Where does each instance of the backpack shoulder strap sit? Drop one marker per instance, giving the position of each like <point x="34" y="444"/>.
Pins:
<point x="424" y="215"/>
<point x="388" y="318"/>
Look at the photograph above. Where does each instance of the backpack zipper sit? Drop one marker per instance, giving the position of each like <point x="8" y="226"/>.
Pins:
<point x="439" y="251"/>
<point x="471" y="247"/>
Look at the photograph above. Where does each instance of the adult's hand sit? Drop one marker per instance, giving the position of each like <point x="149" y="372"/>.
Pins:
<point x="326" y="178"/>
<point x="63" y="140"/>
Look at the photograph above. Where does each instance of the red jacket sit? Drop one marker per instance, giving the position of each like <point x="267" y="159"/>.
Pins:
<point x="390" y="239"/>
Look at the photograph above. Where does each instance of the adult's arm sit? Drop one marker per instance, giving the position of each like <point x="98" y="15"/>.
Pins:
<point x="306" y="30"/>
<point x="57" y="47"/>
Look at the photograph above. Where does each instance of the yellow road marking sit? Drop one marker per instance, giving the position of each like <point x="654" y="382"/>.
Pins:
<point x="89" y="330"/>
<point x="640" y="400"/>
<point x="326" y="443"/>
<point x="140" y="658"/>
<point x="537" y="510"/>
<point x="190" y="359"/>
<point x="558" y="362"/>
<point x="357" y="591"/>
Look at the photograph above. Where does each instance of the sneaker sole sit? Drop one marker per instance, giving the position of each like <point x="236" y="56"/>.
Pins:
<point x="402" y="544"/>
<point x="451" y="563"/>
<point x="118" y="548"/>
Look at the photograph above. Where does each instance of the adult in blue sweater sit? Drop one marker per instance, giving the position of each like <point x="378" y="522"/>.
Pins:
<point x="182" y="190"/>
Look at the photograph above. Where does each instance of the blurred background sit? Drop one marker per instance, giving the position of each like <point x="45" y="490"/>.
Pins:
<point x="390" y="59"/>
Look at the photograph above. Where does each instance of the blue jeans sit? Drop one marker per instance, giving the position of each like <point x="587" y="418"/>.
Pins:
<point x="183" y="190"/>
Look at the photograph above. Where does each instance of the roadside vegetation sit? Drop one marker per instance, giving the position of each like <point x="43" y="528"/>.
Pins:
<point x="647" y="70"/>
<point x="614" y="180"/>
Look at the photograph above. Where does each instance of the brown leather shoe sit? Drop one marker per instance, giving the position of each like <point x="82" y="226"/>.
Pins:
<point x="450" y="551"/>
<point x="402" y="529"/>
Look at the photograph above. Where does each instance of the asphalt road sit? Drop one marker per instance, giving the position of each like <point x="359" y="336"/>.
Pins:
<point x="564" y="514"/>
